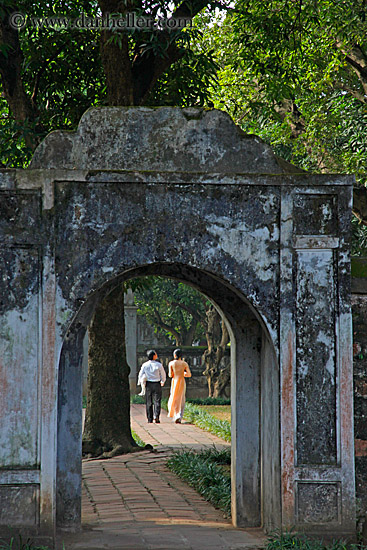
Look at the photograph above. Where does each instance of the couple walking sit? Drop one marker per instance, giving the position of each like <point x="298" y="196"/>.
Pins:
<point x="152" y="377"/>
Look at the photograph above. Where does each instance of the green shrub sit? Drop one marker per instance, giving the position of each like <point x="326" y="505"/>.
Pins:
<point x="210" y="401"/>
<point x="218" y="456"/>
<point x="20" y="545"/>
<point x="137" y="399"/>
<point x="203" y="472"/>
<point x="137" y="440"/>
<point x="140" y="400"/>
<point x="295" y="541"/>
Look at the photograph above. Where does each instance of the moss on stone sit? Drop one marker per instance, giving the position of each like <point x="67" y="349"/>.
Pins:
<point x="359" y="268"/>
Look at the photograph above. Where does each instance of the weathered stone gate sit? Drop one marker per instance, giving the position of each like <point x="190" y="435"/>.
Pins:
<point x="185" y="194"/>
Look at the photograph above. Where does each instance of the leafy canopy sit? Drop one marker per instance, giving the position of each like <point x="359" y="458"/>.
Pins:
<point x="64" y="70"/>
<point x="175" y="310"/>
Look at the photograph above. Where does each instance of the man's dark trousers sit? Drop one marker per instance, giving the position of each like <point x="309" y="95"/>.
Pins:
<point x="153" y="395"/>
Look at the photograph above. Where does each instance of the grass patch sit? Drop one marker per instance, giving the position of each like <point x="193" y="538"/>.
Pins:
<point x="137" y="440"/>
<point x="204" y="471"/>
<point x="137" y="399"/>
<point x="294" y="541"/>
<point x="202" y="419"/>
<point x="14" y="544"/>
<point x="222" y="412"/>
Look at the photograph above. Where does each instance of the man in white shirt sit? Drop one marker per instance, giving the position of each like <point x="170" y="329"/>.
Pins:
<point x="154" y="375"/>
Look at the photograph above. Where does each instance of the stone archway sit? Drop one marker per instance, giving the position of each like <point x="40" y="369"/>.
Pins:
<point x="255" y="419"/>
<point x="134" y="188"/>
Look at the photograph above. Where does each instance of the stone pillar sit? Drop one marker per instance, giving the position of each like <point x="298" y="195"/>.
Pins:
<point x="318" y="492"/>
<point x="85" y="364"/>
<point x="27" y="360"/>
<point x="131" y="337"/>
<point x="130" y="340"/>
<point x="245" y="420"/>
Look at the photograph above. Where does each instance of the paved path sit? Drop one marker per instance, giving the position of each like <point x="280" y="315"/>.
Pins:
<point x="169" y="434"/>
<point x="133" y="502"/>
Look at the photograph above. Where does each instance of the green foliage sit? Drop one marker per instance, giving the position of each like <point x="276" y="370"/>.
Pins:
<point x="137" y="439"/>
<point x="196" y="415"/>
<point x="13" y="149"/>
<point x="293" y="541"/>
<point x="137" y="399"/>
<point x="18" y="544"/>
<point x="283" y="78"/>
<point x="289" y="74"/>
<point x="62" y="70"/>
<point x="203" y="472"/>
<point x="359" y="238"/>
<point x="175" y="310"/>
<point x="210" y="401"/>
<point x="188" y="81"/>
<point x="218" y="456"/>
<point x="62" y="73"/>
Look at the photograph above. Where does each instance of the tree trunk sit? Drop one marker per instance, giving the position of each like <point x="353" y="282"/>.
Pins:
<point x="11" y="66"/>
<point x="223" y="379"/>
<point x="117" y="68"/>
<point x="217" y="374"/>
<point x="131" y="78"/>
<point x="107" y="430"/>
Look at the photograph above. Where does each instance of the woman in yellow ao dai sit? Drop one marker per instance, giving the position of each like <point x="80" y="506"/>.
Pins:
<point x="178" y="370"/>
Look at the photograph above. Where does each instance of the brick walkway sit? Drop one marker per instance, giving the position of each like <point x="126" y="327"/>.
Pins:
<point x="133" y="502"/>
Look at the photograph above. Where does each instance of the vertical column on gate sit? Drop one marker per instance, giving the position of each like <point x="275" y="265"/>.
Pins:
<point x="287" y="333"/>
<point x="48" y="372"/>
<point x="20" y="352"/>
<point x="245" y="419"/>
<point x="317" y="412"/>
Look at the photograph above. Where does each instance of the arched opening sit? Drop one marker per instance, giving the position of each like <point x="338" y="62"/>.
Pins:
<point x="254" y="396"/>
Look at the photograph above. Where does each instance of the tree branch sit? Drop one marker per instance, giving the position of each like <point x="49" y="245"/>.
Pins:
<point x="190" y="334"/>
<point x="189" y="8"/>
<point x="357" y="60"/>
<point x="225" y="336"/>
<point x="165" y="326"/>
<point x="192" y="311"/>
<point x="355" y="93"/>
